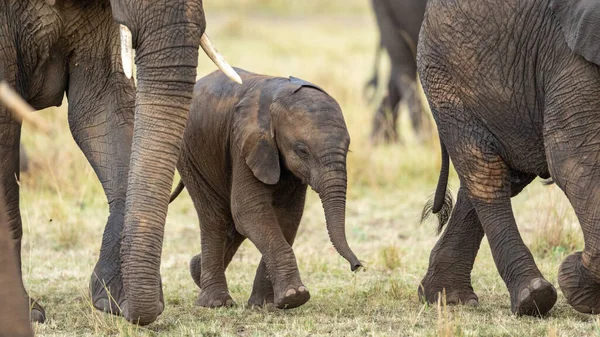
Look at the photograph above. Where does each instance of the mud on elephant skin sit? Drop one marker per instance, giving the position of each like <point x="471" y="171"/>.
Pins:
<point x="80" y="48"/>
<point x="249" y="152"/>
<point x="510" y="108"/>
<point x="399" y="23"/>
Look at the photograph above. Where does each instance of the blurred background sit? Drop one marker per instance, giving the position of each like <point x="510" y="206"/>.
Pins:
<point x="331" y="44"/>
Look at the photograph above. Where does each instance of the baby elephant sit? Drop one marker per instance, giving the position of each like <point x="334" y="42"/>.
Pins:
<point x="249" y="151"/>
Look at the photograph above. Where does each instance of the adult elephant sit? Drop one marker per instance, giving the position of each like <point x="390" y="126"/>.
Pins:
<point x="510" y="107"/>
<point x="399" y="22"/>
<point x="73" y="46"/>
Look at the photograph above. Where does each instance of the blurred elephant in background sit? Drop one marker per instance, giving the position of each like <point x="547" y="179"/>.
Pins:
<point x="510" y="107"/>
<point x="399" y="22"/>
<point x="249" y="152"/>
<point x="84" y="49"/>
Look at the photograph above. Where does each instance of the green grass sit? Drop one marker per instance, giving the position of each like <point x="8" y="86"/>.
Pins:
<point x="330" y="43"/>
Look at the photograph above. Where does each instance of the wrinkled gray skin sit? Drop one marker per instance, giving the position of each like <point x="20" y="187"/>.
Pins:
<point x="510" y="107"/>
<point x="72" y="47"/>
<point x="399" y="23"/>
<point x="249" y="152"/>
<point x="14" y="314"/>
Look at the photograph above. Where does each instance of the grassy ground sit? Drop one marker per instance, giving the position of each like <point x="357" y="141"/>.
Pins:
<point x="64" y="212"/>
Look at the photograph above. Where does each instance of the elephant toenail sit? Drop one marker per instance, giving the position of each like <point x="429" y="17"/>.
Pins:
<point x="290" y="292"/>
<point x="537" y="284"/>
<point x="524" y="294"/>
<point x="302" y="289"/>
<point x="217" y="303"/>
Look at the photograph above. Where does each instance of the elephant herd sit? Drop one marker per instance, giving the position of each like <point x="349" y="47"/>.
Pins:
<point x="514" y="89"/>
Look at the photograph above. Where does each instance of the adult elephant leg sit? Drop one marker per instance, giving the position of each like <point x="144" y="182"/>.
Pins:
<point x="14" y="319"/>
<point x="385" y="121"/>
<point x="101" y="105"/>
<point x="487" y="179"/>
<point x="451" y="260"/>
<point x="575" y="170"/>
<point x="289" y="206"/>
<point x="256" y="219"/>
<point x="9" y="159"/>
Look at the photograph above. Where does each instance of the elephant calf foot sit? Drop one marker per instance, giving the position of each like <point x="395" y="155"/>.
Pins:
<point x="457" y="293"/>
<point x="292" y="297"/>
<point x="37" y="313"/>
<point x="214" y="299"/>
<point x="579" y="286"/>
<point x="536" y="298"/>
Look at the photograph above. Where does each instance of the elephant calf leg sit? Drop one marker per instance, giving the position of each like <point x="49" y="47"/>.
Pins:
<point x="452" y="258"/>
<point x="214" y="292"/>
<point x="234" y="240"/>
<point x="279" y="264"/>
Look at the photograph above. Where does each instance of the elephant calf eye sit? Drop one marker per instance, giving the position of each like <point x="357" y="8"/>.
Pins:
<point x="301" y="150"/>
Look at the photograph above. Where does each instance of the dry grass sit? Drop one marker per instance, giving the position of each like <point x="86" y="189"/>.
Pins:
<point x="330" y="43"/>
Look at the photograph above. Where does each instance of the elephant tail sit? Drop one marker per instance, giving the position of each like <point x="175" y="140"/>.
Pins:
<point x="441" y="204"/>
<point x="177" y="191"/>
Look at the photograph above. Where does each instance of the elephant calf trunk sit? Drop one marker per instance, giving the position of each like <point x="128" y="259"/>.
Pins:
<point x="333" y="197"/>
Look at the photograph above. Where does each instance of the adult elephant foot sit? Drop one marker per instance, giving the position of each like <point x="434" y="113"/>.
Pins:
<point x="536" y="298"/>
<point x="109" y="296"/>
<point x="292" y="297"/>
<point x="37" y="314"/>
<point x="214" y="298"/>
<point x="579" y="285"/>
<point x="457" y="292"/>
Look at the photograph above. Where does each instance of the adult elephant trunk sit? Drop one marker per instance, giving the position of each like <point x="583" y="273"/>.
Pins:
<point x="166" y="64"/>
<point x="332" y="191"/>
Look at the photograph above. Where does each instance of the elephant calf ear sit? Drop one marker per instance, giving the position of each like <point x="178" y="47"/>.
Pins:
<point x="252" y="135"/>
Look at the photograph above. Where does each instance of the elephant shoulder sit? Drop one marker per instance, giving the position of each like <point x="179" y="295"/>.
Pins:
<point x="580" y="24"/>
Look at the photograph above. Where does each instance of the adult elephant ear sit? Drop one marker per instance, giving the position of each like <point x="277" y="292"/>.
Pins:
<point x="254" y="136"/>
<point x="580" y="23"/>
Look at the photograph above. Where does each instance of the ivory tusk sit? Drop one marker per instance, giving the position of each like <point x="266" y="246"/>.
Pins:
<point x="214" y="55"/>
<point x="21" y="111"/>
<point x="126" y="51"/>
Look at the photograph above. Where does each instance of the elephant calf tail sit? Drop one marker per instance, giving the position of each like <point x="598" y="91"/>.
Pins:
<point x="441" y="204"/>
<point x="177" y="191"/>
